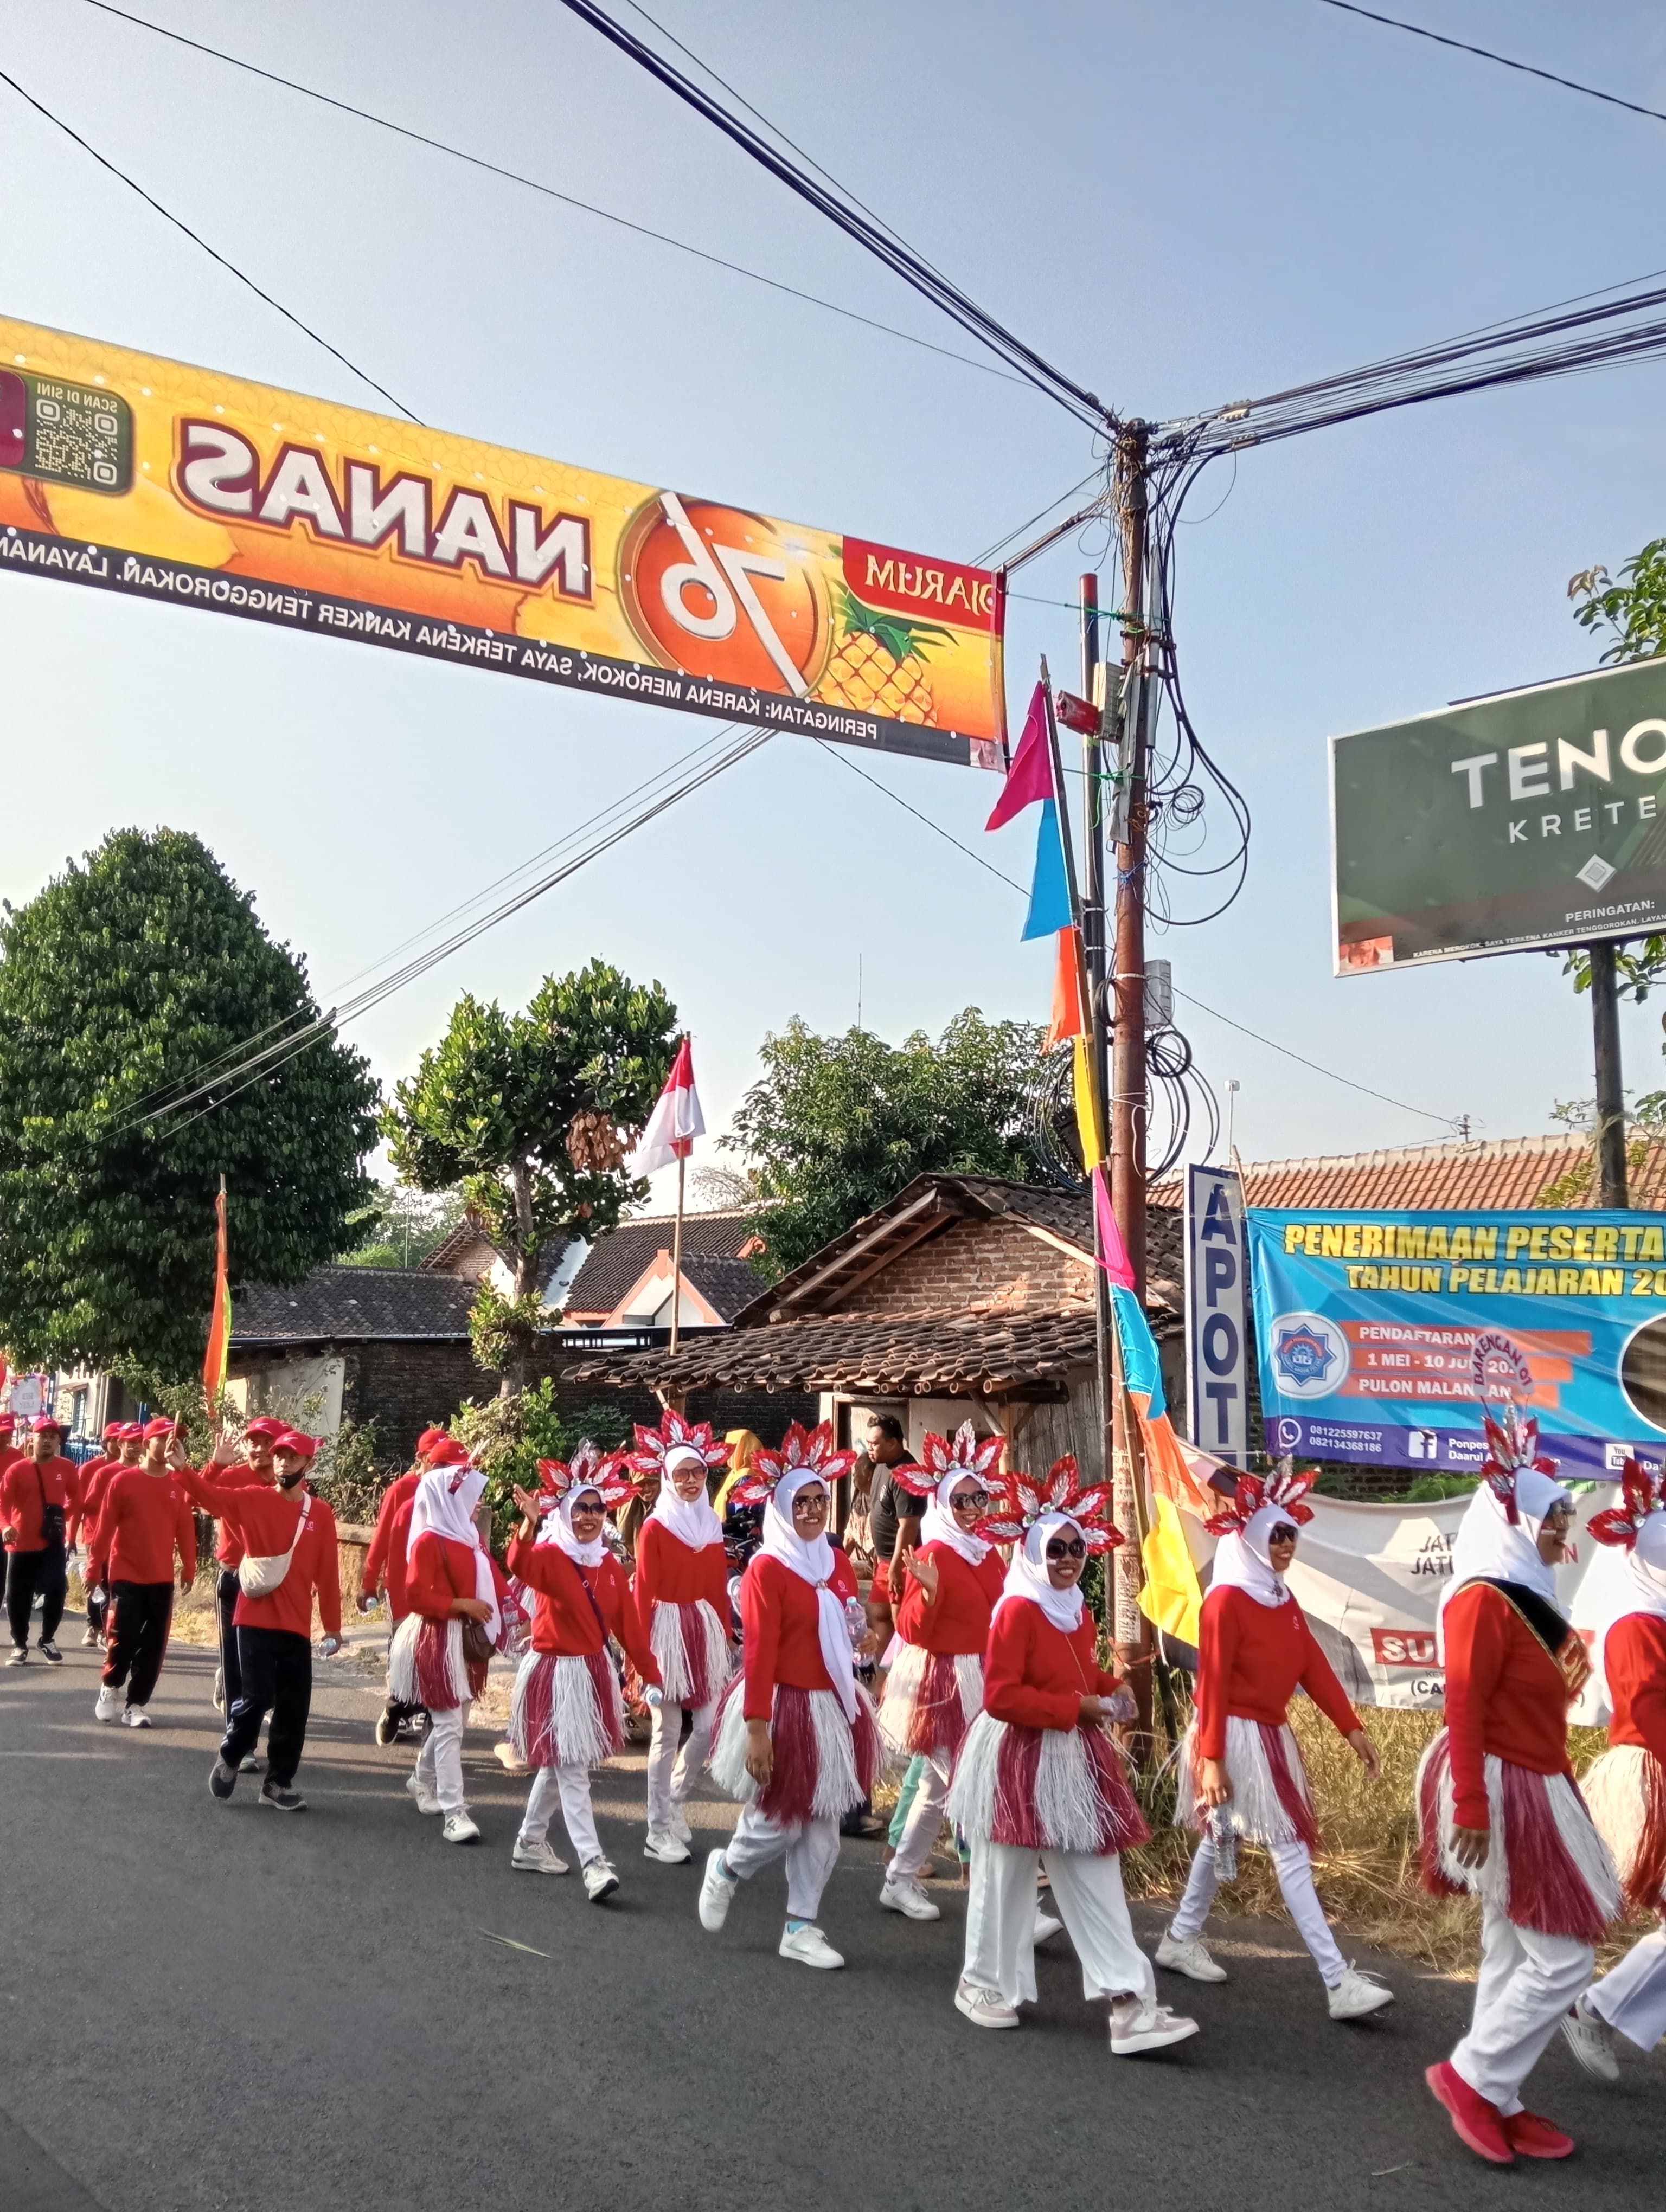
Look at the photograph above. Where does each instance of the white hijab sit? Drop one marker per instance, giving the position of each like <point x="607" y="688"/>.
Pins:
<point x="1626" y="1579"/>
<point x="556" y="1528"/>
<point x="940" y="1527"/>
<point x="445" y="1506"/>
<point x="1244" y="1562"/>
<point x="1027" y="1576"/>
<point x="812" y="1562"/>
<point x="690" y="1520"/>
<point x="1487" y="1545"/>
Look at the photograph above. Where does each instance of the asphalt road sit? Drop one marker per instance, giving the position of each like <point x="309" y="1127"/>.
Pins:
<point x="207" y="2006"/>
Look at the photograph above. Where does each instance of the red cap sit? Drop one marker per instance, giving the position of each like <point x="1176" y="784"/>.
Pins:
<point x="42" y="1422"/>
<point x="161" y="1426"/>
<point x="446" y="1451"/>
<point x="295" y="1441"/>
<point x="7" y="1421"/>
<point x="130" y="1432"/>
<point x="429" y="1438"/>
<point x="111" y="1430"/>
<point x="265" y="1425"/>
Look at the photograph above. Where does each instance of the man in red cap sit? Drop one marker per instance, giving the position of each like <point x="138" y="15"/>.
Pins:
<point x="287" y="1539"/>
<point x="35" y="1496"/>
<point x="145" y="1518"/>
<point x="385" y="1560"/>
<point x="87" y="1474"/>
<point x="128" y="1451"/>
<point x="253" y="1471"/>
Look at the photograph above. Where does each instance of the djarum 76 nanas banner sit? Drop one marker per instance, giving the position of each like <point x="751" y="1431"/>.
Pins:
<point x="142" y="476"/>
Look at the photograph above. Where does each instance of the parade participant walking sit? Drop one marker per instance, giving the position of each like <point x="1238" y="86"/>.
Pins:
<point x="144" y="1520"/>
<point x="1499" y="1811"/>
<point x="1241" y="1771"/>
<point x="128" y="1452"/>
<point x="36" y="1495"/>
<point x="568" y="1716"/>
<point x="796" y="1740"/>
<point x="1039" y="1780"/>
<point x="286" y="1551"/>
<point x="442" y="1648"/>
<point x="384" y="1569"/>
<point x="946" y="1592"/>
<point x="89" y="1485"/>
<point x="254" y="1471"/>
<point x="1625" y="1790"/>
<point x="682" y="1593"/>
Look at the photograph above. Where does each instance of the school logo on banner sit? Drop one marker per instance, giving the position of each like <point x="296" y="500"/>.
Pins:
<point x="1309" y="1355"/>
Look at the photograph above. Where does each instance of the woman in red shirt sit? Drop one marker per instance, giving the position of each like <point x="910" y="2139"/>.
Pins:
<point x="1241" y="1771"/>
<point x="567" y="1716"/>
<point x="1040" y="1782"/>
<point x="1501" y="1815"/>
<point x="1625" y="1790"/>
<point x="945" y="1593"/>
<point x="796" y="1741"/>
<point x="682" y="1590"/>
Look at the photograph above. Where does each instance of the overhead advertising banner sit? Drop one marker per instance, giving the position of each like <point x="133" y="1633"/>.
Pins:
<point x="1369" y="1327"/>
<point x="141" y="476"/>
<point x="1537" y="817"/>
<point x="1217" y="1286"/>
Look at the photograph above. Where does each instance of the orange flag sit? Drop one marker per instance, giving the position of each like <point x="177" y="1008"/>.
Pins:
<point x="1069" y="992"/>
<point x="216" y="1358"/>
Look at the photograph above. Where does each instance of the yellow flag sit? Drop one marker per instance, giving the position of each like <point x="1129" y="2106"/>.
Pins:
<point x="1172" y="1597"/>
<point x="1089" y="1129"/>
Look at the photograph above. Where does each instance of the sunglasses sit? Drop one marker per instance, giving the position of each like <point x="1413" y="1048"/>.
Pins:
<point x="803" y="1505"/>
<point x="972" y="1501"/>
<point x="1059" y="1549"/>
<point x="1284" y="1534"/>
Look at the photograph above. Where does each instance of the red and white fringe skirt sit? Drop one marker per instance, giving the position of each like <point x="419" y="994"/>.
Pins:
<point x="932" y="1699"/>
<point x="823" y="1764"/>
<point x="1626" y="1794"/>
<point x="426" y="1667"/>
<point x="567" y="1710"/>
<point x="1271" y="1802"/>
<point x="692" y="1647"/>
<point x="1044" y="1790"/>
<point x="1553" y="1873"/>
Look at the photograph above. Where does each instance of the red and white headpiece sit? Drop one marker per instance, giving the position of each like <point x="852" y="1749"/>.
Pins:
<point x="674" y="1438"/>
<point x="1253" y="1493"/>
<point x="1261" y="1504"/>
<point x="589" y="1469"/>
<point x="1641" y="1494"/>
<point x="1017" y="1503"/>
<point x="802" y="1452"/>
<point x="1512" y="1451"/>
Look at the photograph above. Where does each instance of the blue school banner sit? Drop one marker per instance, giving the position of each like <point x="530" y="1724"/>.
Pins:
<point x="1372" y="1331"/>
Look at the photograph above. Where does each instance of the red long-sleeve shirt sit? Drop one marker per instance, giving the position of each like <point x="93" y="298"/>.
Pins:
<point x="144" y="1519"/>
<point x="670" y="1572"/>
<point x="564" y="1622"/>
<point x="1251" y="1659"/>
<point x="441" y="1570"/>
<point x="26" y="1485"/>
<point x="94" y="1491"/>
<point x="263" y="1519"/>
<point x="86" y="1475"/>
<point x="957" y="1619"/>
<point x="1036" y="1675"/>
<point x="236" y="1474"/>
<point x="384" y="1559"/>
<point x="1505" y="1695"/>
<point x="779" y="1619"/>
<point x="1634" y="1661"/>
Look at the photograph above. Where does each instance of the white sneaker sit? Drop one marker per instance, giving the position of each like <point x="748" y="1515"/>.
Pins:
<point x="1188" y="1955"/>
<point x="1046" y="1925"/>
<point x="508" y="1758"/>
<point x="537" y="1858"/>
<point x="717" y="1891"/>
<point x="135" y="1716"/>
<point x="679" y="1826"/>
<point x="984" y="2008"/>
<point x="217" y="1695"/>
<point x="1591" y="2041"/>
<point x="108" y="1707"/>
<point x="599" y="1880"/>
<point x="908" y="1897"/>
<point x="426" y="1800"/>
<point x="809" y="1946"/>
<point x="1358" y="1995"/>
<point x="668" y="1849"/>
<point x="92" y="1639"/>
<point x="459" y="1829"/>
<point x="1137" y="2027"/>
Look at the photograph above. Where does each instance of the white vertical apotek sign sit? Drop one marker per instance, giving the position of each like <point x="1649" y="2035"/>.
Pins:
<point x="1217" y="1281"/>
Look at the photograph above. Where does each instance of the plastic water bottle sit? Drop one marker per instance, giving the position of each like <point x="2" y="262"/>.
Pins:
<point x="1224" y="1837"/>
<point x="855" y="1620"/>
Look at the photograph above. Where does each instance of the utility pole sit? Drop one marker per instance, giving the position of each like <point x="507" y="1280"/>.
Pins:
<point x="1610" y="1089"/>
<point x="1108" y="1366"/>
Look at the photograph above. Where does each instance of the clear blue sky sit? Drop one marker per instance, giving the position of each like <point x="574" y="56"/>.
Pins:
<point x="1180" y="201"/>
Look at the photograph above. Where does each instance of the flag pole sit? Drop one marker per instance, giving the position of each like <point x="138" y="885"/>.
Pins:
<point x="677" y="1252"/>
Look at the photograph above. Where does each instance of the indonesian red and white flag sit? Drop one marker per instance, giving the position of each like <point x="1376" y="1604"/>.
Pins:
<point x="675" y="1122"/>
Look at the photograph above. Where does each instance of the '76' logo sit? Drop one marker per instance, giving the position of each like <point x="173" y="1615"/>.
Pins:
<point x="722" y="593"/>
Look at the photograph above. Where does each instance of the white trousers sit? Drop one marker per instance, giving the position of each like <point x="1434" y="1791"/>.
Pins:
<point x="919" y="1830"/>
<point x="1293" y="1865"/>
<point x="439" y="1761"/>
<point x="671" y="1773"/>
<point x="1527" y="1982"/>
<point x="1632" y="1997"/>
<point x="569" y="1788"/>
<point x="810" y="1851"/>
<point x="1087" y="1891"/>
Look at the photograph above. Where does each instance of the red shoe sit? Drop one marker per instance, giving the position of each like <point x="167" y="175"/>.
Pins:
<point x="1477" y="2123"/>
<point x="1535" y="2138"/>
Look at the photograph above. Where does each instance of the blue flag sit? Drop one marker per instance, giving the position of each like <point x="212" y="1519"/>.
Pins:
<point x="1050" y="891"/>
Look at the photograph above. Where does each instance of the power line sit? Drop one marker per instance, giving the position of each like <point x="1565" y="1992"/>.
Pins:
<point x="1504" y="61"/>
<point x="241" y="275"/>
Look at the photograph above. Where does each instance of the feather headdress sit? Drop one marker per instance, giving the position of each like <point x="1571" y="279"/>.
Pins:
<point x="965" y="1453"/>
<point x="1284" y="1488"/>
<point x="1017" y="1503"/>
<point x="675" y="1434"/>
<point x="807" y="1450"/>
<point x="589" y="1469"/>
<point x="1642" y="1494"/>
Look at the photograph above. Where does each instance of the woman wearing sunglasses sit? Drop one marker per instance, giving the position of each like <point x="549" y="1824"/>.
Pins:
<point x="1241" y="1771"/>
<point x="949" y="1587"/>
<point x="1040" y="1782"/>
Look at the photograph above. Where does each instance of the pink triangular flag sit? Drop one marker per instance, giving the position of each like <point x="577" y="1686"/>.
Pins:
<point x="1031" y="776"/>
<point x="1112" y="1252"/>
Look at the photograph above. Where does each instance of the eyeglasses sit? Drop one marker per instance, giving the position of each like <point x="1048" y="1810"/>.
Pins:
<point x="1075" y="1549"/>
<point x="970" y="1501"/>
<point x="1284" y="1534"/>
<point x="811" y="1504"/>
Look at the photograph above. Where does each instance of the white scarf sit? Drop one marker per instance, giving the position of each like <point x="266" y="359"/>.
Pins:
<point x="1027" y="1576"/>
<point x="444" y="1506"/>
<point x="690" y="1520"/>
<point x="1624" y="1580"/>
<point x="812" y="1562"/>
<point x="557" y="1528"/>
<point x="940" y="1527"/>
<point x="1488" y="1546"/>
<point x="1244" y="1562"/>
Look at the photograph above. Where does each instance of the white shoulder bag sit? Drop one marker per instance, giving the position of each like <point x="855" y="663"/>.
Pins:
<point x="259" y="1577"/>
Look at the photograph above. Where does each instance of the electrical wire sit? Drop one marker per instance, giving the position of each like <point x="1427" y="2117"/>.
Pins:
<point x="1486" y="54"/>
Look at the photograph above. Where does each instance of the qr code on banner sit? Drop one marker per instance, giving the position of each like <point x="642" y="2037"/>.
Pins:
<point x="77" y="436"/>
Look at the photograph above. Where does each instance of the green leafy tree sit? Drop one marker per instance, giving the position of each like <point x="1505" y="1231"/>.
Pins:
<point x="132" y="979"/>
<point x="401" y="1226"/>
<point x="531" y="1114"/>
<point x="507" y="1438"/>
<point x="837" y="1125"/>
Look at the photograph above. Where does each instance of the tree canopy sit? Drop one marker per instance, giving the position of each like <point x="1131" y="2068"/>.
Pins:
<point x="837" y="1125"/>
<point x="133" y="978"/>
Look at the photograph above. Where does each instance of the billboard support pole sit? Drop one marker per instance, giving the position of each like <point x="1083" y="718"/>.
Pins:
<point x="1610" y="1089"/>
<point x="1107" y="1361"/>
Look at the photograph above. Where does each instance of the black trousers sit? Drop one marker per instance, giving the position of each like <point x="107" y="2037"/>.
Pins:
<point x="138" y="1642"/>
<point x="225" y="1592"/>
<point x="29" y="1573"/>
<point x="277" y="1679"/>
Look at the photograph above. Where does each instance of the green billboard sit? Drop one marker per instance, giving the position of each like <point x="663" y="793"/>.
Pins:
<point x="1532" y="817"/>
